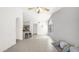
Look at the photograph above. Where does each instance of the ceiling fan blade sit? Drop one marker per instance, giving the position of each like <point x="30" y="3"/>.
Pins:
<point x="39" y="9"/>
<point x="46" y="9"/>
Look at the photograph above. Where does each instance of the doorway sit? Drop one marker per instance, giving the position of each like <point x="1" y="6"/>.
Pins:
<point x="34" y="29"/>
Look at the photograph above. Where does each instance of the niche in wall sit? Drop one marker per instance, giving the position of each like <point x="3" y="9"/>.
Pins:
<point x="26" y="28"/>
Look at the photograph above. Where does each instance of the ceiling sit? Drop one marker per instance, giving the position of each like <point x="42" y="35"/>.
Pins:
<point x="29" y="15"/>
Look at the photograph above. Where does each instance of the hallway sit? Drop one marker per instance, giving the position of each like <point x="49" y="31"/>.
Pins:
<point x="35" y="44"/>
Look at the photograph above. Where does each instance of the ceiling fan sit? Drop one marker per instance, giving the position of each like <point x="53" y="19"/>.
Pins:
<point x="39" y="9"/>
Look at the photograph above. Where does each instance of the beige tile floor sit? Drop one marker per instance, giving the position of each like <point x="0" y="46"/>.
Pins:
<point x="38" y="43"/>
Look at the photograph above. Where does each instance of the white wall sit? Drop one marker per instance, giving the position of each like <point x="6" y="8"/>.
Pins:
<point x="42" y="28"/>
<point x="19" y="23"/>
<point x="34" y="17"/>
<point x="7" y="27"/>
<point x="66" y="25"/>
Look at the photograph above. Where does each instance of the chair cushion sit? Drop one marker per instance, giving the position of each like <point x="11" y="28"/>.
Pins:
<point x="63" y="44"/>
<point x="57" y="46"/>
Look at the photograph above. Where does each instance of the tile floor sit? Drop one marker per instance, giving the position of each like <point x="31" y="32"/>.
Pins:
<point x="38" y="43"/>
